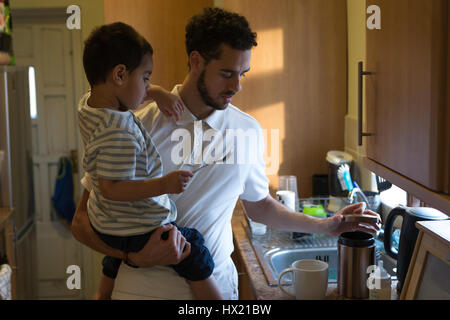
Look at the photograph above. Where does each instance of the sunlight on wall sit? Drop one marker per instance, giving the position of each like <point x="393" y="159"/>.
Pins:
<point x="274" y="134"/>
<point x="268" y="55"/>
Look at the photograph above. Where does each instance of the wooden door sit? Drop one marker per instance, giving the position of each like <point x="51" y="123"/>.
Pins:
<point x="406" y="94"/>
<point x="50" y="49"/>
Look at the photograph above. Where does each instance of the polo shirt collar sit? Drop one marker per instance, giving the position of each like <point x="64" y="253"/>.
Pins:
<point x="214" y="120"/>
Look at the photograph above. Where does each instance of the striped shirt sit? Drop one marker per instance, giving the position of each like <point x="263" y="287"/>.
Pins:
<point x="117" y="147"/>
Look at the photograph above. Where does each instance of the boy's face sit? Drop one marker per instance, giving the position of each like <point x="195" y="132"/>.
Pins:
<point x="136" y="85"/>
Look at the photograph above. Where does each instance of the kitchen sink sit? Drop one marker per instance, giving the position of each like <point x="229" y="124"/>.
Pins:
<point x="277" y="251"/>
<point x="281" y="259"/>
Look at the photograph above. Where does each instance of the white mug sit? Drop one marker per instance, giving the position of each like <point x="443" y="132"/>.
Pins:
<point x="310" y="279"/>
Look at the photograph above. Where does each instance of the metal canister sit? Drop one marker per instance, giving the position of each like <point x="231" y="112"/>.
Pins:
<point x="356" y="252"/>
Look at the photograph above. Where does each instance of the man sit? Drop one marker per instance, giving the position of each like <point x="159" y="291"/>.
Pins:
<point x="218" y="45"/>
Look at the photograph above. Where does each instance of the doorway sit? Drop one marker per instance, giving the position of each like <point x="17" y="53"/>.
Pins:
<point x="41" y="39"/>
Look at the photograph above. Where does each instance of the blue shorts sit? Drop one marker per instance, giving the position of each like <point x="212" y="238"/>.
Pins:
<point x="199" y="265"/>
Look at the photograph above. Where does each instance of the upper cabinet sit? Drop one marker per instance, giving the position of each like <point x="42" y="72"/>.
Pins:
<point x="407" y="84"/>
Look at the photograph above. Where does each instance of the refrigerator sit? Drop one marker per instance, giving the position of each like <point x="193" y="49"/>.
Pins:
<point x="16" y="170"/>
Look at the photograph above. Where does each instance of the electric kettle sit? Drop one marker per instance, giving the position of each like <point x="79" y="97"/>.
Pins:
<point x="408" y="235"/>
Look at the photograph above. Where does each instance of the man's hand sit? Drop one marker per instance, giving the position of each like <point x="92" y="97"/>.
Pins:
<point x="155" y="252"/>
<point x="336" y="225"/>
<point x="271" y="212"/>
<point x="162" y="252"/>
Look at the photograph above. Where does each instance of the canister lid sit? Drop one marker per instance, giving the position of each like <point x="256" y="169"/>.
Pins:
<point x="357" y="239"/>
<point x="339" y="157"/>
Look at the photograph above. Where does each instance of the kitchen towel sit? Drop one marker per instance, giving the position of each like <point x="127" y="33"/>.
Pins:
<point x="5" y="282"/>
<point x="62" y="199"/>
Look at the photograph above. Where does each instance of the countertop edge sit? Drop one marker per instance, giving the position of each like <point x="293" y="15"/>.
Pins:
<point x="257" y="279"/>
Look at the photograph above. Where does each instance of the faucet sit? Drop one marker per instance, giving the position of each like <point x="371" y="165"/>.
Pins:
<point x="353" y="194"/>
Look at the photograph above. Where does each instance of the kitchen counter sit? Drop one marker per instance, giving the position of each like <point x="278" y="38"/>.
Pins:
<point x="252" y="280"/>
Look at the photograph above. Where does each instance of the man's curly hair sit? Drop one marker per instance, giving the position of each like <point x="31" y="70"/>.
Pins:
<point x="206" y="31"/>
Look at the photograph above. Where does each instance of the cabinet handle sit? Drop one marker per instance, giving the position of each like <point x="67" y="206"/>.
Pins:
<point x="361" y="73"/>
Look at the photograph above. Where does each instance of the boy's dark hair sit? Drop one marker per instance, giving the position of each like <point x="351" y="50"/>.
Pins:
<point x="206" y="31"/>
<point x="110" y="45"/>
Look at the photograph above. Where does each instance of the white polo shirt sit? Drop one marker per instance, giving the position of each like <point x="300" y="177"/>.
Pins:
<point x="208" y="202"/>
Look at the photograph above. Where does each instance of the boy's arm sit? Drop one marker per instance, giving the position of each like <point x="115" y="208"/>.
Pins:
<point x="156" y="252"/>
<point x="134" y="190"/>
<point x="169" y="104"/>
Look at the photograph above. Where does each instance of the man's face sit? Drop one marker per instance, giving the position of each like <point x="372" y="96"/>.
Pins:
<point x="220" y="79"/>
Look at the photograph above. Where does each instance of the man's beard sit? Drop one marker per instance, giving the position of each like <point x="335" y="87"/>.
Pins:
<point x="204" y="94"/>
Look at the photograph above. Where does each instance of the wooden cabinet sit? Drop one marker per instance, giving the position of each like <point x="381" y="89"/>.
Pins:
<point x="407" y="99"/>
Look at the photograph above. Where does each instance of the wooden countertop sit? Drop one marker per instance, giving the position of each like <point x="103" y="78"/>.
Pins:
<point x="439" y="229"/>
<point x="257" y="279"/>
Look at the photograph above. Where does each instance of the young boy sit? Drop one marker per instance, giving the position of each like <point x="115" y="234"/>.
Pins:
<point x="129" y="196"/>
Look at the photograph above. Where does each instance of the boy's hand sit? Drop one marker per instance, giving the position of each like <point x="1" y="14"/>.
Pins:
<point x="169" y="104"/>
<point x="176" y="181"/>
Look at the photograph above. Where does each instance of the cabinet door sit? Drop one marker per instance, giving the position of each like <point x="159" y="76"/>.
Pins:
<point x="406" y="99"/>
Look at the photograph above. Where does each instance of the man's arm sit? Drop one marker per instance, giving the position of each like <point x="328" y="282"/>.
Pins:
<point x="274" y="214"/>
<point x="83" y="232"/>
<point x="156" y="252"/>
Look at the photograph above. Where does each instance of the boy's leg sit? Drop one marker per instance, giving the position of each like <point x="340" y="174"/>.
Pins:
<point x="105" y="288"/>
<point x="198" y="265"/>
<point x="110" y="268"/>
